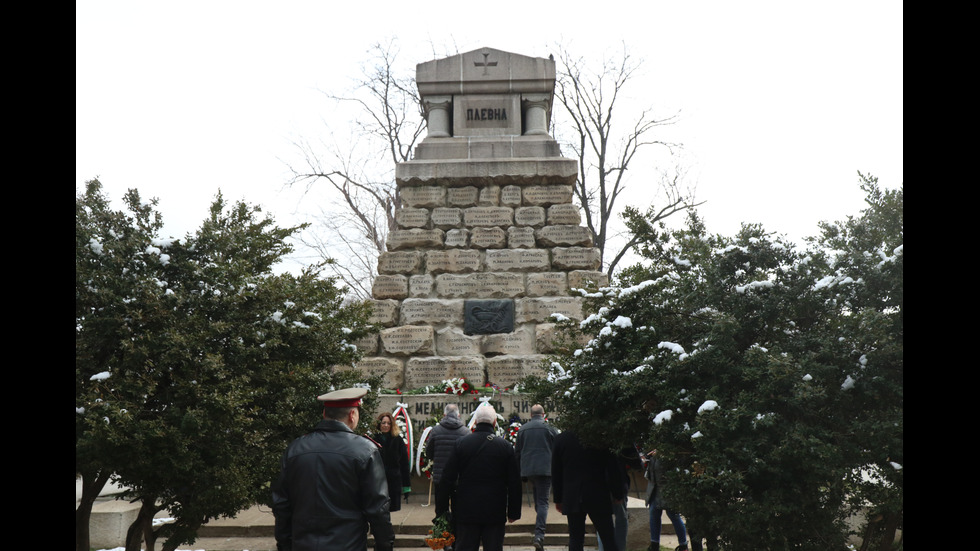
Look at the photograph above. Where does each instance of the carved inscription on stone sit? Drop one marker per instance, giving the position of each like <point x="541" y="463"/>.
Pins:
<point x="488" y="238"/>
<point x="431" y="371"/>
<point x="488" y="216"/>
<point x="451" y="341"/>
<point x="529" y="216"/>
<point x="390" y="286"/>
<point x="447" y="217"/>
<point x="537" y="310"/>
<point x="575" y="258"/>
<point x="431" y="311"/>
<point x="453" y="261"/>
<point x="520" y="237"/>
<point x="408" y="339"/>
<point x="421" y="285"/>
<point x="563" y="236"/>
<point x="507" y="370"/>
<point x="383" y="312"/>
<point x="582" y="279"/>
<point x="547" y="284"/>
<point x="520" y="341"/>
<point x="409" y="239"/>
<point x="463" y="196"/>
<point x="518" y="260"/>
<point x="391" y="369"/>
<point x="423" y="196"/>
<point x="412" y="218"/>
<point x="484" y="317"/>
<point x="457" y="238"/>
<point x="510" y="196"/>
<point x="490" y="285"/>
<point x="565" y="214"/>
<point x="547" y="195"/>
<point x="399" y="262"/>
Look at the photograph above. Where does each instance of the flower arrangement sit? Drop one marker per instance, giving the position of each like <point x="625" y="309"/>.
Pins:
<point x="515" y="425"/>
<point x="441" y="535"/>
<point x="456" y="385"/>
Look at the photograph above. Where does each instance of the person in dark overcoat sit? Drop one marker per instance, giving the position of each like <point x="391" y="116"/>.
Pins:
<point x="481" y="486"/>
<point x="332" y="486"/>
<point x="586" y="481"/>
<point x="394" y="452"/>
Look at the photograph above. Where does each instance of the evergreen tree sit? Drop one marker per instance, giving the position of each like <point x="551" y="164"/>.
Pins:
<point x="195" y="364"/>
<point x="768" y="378"/>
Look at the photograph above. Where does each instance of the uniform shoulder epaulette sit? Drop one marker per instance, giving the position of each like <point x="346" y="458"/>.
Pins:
<point x="373" y="441"/>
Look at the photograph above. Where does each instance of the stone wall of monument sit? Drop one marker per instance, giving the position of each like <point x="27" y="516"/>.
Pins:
<point x="520" y="243"/>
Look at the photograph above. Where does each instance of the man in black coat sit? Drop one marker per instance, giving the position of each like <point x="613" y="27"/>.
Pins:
<point x="482" y="480"/>
<point x="332" y="485"/>
<point x="586" y="481"/>
<point x="442" y="439"/>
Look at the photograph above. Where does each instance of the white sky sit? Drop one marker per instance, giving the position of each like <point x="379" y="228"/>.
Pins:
<point x="781" y="102"/>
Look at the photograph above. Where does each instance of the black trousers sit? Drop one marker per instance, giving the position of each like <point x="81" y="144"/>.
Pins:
<point x="603" y="526"/>
<point x="469" y="537"/>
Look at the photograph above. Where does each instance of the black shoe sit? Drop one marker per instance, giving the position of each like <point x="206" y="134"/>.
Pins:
<point x="538" y="544"/>
<point x="681" y="548"/>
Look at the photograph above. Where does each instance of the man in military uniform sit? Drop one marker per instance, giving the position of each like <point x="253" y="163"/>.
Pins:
<point x="332" y="485"/>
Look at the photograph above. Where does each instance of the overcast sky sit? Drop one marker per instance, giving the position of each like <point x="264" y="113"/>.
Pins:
<point x="781" y="103"/>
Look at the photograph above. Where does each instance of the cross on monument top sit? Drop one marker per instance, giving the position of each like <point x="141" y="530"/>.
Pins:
<point x="485" y="63"/>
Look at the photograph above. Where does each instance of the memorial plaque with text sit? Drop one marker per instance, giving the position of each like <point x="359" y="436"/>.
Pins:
<point x="484" y="317"/>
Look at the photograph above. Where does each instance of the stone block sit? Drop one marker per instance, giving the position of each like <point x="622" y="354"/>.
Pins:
<point x="463" y="196"/>
<point x="489" y="196"/>
<point x="457" y="238"/>
<point x="390" y="287"/>
<point x="530" y="216"/>
<point x="452" y="341"/>
<point x="431" y="371"/>
<point x="575" y="258"/>
<point x="406" y="340"/>
<point x="506" y="371"/>
<point x="399" y="262"/>
<point x="488" y="238"/>
<point x="383" y="312"/>
<point x="563" y="236"/>
<point x="453" y="261"/>
<point x="518" y="260"/>
<point x="487" y="115"/>
<point x="518" y="342"/>
<point x="427" y="197"/>
<point x="566" y="214"/>
<point x="109" y="523"/>
<point x="510" y="196"/>
<point x="520" y="237"/>
<point x="584" y="279"/>
<point x="447" y="217"/>
<point x="488" y="217"/>
<point x="547" y="195"/>
<point x="480" y="285"/>
<point x="547" y="284"/>
<point x="416" y="311"/>
<point x="367" y="344"/>
<point x="407" y="218"/>
<point x="414" y="238"/>
<point x="392" y="370"/>
<point x="421" y="286"/>
<point x="540" y="309"/>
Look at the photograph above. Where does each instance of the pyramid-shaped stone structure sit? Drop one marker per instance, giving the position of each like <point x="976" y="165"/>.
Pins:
<point x="489" y="244"/>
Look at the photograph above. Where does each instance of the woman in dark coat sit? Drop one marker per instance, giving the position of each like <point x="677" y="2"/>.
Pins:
<point x="395" y="455"/>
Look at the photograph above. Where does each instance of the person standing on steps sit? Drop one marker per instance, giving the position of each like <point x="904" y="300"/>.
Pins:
<point x="332" y="484"/>
<point x="481" y="485"/>
<point x="442" y="439"/>
<point x="586" y="481"/>
<point x="534" y="442"/>
<point x="394" y="452"/>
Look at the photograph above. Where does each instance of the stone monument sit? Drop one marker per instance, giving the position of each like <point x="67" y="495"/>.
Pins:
<point x="489" y="244"/>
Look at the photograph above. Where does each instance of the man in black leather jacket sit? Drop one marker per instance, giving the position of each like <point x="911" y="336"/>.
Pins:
<point x="332" y="485"/>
